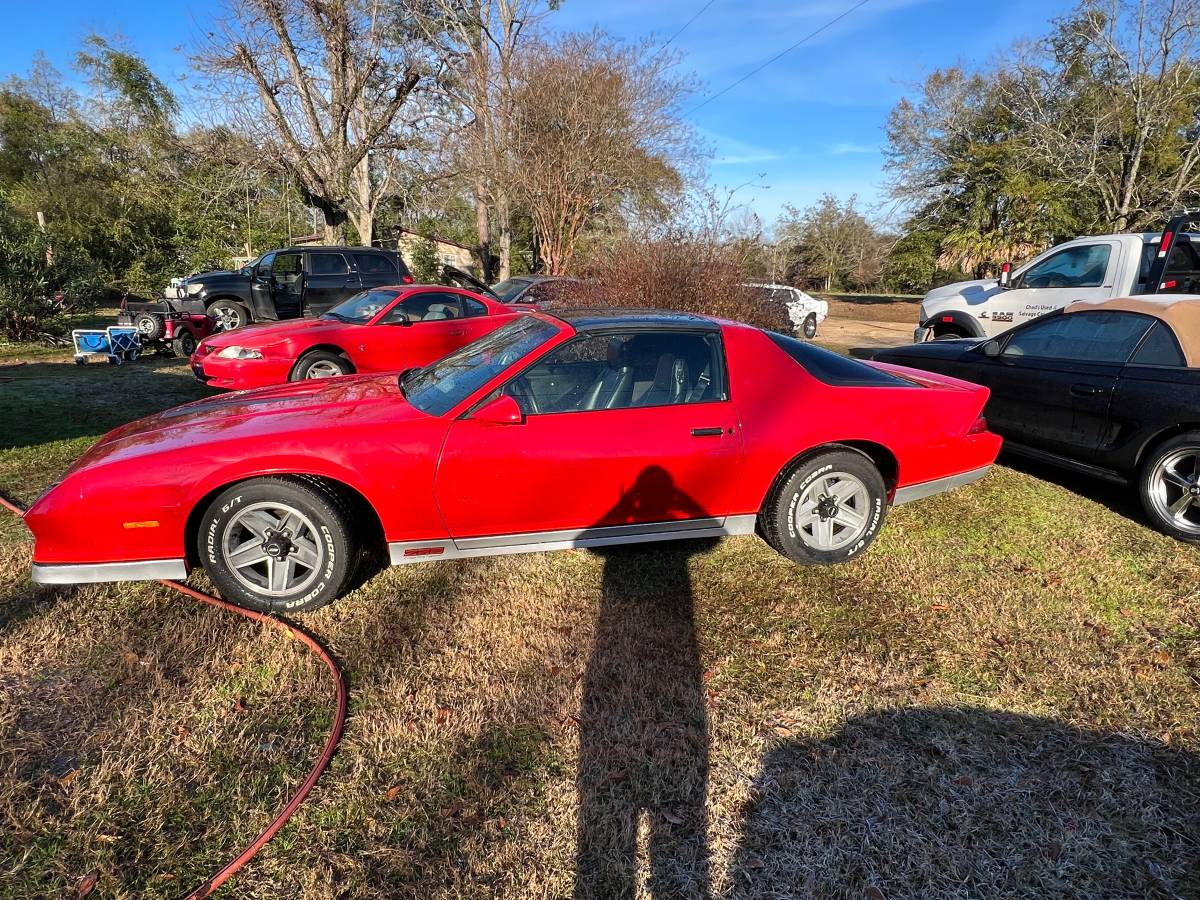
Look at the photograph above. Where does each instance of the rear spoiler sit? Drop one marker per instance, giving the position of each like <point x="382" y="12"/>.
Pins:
<point x="1176" y="225"/>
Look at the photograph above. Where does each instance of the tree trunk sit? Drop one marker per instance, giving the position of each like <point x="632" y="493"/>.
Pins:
<point x="363" y="213"/>
<point x="483" y="226"/>
<point x="504" y="227"/>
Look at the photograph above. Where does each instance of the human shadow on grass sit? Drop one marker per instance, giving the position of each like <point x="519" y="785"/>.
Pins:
<point x="963" y="802"/>
<point x="643" y="732"/>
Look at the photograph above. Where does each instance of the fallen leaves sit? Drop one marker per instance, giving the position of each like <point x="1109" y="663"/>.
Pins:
<point x="87" y="885"/>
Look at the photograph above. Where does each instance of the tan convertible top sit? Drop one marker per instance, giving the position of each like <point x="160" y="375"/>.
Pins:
<point x="1182" y="314"/>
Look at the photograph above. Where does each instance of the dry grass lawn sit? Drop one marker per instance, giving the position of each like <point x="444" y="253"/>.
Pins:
<point x="1000" y="699"/>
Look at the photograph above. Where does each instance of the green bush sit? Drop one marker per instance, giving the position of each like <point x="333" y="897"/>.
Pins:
<point x="426" y="268"/>
<point x="34" y="268"/>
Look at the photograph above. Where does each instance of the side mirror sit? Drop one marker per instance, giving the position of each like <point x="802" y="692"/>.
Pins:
<point x="991" y="349"/>
<point x="1005" y="275"/>
<point x="502" y="410"/>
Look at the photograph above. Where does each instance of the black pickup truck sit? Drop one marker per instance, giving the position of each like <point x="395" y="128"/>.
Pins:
<point x="289" y="283"/>
<point x="1108" y="388"/>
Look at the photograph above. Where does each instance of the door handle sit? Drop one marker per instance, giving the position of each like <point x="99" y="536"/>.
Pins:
<point x="1087" y="390"/>
<point x="458" y="331"/>
<point x="707" y="432"/>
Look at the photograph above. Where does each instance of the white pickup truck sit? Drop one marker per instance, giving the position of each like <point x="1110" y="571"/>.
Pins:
<point x="1087" y="268"/>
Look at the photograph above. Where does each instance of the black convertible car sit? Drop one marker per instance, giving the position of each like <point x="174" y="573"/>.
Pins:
<point x="1108" y="388"/>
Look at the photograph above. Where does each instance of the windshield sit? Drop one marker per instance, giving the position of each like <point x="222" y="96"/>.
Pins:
<point x="441" y="386"/>
<point x="508" y="289"/>
<point x="361" y="308"/>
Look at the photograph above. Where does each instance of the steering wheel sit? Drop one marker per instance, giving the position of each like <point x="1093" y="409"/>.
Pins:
<point x="518" y="389"/>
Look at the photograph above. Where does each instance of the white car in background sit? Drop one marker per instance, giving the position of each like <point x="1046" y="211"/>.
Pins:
<point x="804" y="311"/>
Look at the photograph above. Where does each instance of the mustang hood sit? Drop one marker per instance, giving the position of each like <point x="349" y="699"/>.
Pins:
<point x="316" y="410"/>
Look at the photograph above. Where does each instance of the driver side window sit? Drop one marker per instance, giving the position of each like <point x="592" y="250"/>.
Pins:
<point x="1106" y="337"/>
<point x="1075" y="267"/>
<point x="263" y="269"/>
<point x="622" y="371"/>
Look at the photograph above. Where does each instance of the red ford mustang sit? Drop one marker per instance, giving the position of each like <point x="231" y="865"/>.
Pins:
<point x="368" y="332"/>
<point x="576" y="430"/>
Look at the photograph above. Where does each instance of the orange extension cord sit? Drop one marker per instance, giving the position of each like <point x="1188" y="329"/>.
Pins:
<point x="335" y="733"/>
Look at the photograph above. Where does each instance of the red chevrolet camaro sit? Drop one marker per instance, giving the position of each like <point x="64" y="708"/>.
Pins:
<point x="383" y="329"/>
<point x="574" y="430"/>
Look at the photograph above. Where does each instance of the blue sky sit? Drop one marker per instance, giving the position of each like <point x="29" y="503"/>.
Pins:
<point x="811" y="123"/>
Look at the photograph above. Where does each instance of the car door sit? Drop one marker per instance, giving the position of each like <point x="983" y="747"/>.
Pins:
<point x="620" y="430"/>
<point x="429" y="325"/>
<point x="262" y="299"/>
<point x="287" y="284"/>
<point x="1078" y="272"/>
<point x="1053" y="381"/>
<point x="329" y="282"/>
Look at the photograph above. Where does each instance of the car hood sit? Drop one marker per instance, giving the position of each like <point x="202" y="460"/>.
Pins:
<point x="217" y="278"/>
<point x="264" y="333"/>
<point x="314" y="408"/>
<point x="977" y="291"/>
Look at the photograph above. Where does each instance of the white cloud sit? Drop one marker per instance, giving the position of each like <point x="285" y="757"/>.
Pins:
<point x="845" y="148"/>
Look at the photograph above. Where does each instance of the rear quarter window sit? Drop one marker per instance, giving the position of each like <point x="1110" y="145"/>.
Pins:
<point x="833" y="368"/>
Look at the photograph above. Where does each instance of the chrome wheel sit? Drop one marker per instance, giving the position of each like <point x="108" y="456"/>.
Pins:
<point x="833" y="511"/>
<point x="225" y="318"/>
<point x="323" y="368"/>
<point x="272" y="549"/>
<point x="1174" y="489"/>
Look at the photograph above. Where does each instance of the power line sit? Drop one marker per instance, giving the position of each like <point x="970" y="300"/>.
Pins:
<point x="685" y="25"/>
<point x="779" y="55"/>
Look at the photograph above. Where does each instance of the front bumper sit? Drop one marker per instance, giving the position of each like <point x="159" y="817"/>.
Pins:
<point x="240" y="374"/>
<point x="91" y="573"/>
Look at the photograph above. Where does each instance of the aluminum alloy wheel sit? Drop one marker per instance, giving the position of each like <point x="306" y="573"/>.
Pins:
<point x="833" y="511"/>
<point x="272" y="548"/>
<point x="324" y="368"/>
<point x="226" y="319"/>
<point x="1175" y="489"/>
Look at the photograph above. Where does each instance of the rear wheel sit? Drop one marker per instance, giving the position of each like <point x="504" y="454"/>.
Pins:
<point x="828" y="509"/>
<point x="320" y="364"/>
<point x="1169" y="487"/>
<point x="278" y="545"/>
<point x="228" y="315"/>
<point x="810" y="326"/>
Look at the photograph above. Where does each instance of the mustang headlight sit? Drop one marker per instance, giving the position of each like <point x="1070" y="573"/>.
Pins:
<point x="194" y="289"/>
<point x="239" y="353"/>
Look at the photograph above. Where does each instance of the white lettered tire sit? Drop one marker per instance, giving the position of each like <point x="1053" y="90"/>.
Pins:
<point x="278" y="545"/>
<point x="827" y="509"/>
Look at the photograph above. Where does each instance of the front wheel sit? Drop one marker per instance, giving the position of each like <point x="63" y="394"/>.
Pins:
<point x="810" y="326"/>
<point x="228" y="315"/>
<point x="828" y="510"/>
<point x="1169" y="487"/>
<point x="184" y="345"/>
<point x="320" y="364"/>
<point x="278" y="545"/>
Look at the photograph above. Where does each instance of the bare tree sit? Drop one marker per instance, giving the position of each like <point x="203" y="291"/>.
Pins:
<point x="329" y="79"/>
<point x="478" y="41"/>
<point x="1111" y="99"/>
<point x="593" y="135"/>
